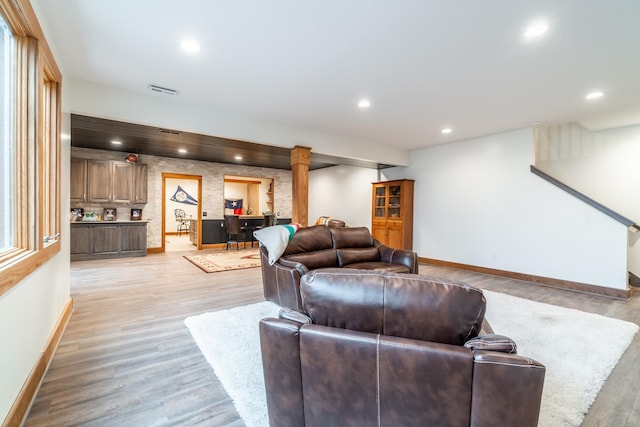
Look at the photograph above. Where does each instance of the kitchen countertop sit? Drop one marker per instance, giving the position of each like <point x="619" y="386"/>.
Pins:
<point x="124" y="221"/>
<point x="241" y="217"/>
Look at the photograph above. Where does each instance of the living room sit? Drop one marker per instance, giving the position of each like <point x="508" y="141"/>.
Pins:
<point x="476" y="204"/>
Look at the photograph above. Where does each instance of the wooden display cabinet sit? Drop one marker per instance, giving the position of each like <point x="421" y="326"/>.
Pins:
<point x="392" y="213"/>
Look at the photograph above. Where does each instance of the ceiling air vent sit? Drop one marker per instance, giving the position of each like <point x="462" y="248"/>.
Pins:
<point x="163" y="90"/>
<point x="169" y="131"/>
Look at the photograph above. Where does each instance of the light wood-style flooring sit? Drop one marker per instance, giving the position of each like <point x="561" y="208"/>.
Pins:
<point x="127" y="359"/>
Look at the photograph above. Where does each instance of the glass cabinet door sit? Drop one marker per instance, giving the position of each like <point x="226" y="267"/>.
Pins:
<point x="394" y="201"/>
<point x="380" y="202"/>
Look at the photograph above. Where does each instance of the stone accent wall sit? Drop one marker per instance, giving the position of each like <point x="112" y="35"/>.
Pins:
<point x="212" y="186"/>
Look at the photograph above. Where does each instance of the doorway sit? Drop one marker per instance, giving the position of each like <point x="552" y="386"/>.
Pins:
<point x="181" y="212"/>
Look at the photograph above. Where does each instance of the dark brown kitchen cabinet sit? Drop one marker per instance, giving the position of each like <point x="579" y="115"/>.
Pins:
<point x="111" y="181"/>
<point x="140" y="183"/>
<point x="103" y="239"/>
<point x="122" y="182"/>
<point x="99" y="180"/>
<point x="78" y="180"/>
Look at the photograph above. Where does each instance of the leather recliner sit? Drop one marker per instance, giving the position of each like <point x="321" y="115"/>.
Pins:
<point x="320" y="246"/>
<point x="385" y="349"/>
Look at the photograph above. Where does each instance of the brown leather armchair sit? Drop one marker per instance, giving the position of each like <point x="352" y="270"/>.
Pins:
<point x="393" y="350"/>
<point x="320" y="246"/>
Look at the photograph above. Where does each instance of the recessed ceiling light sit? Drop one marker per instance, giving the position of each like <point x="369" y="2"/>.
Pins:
<point x="116" y="142"/>
<point x="182" y="150"/>
<point x="238" y="157"/>
<point x="364" y="103"/>
<point x="446" y="130"/>
<point x="595" y="95"/>
<point x="536" y="29"/>
<point x="190" y="46"/>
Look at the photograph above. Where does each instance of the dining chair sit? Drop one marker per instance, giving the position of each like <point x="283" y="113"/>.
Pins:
<point x="181" y="219"/>
<point x="234" y="231"/>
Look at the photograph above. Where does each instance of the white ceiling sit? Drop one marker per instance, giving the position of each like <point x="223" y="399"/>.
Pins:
<point x="424" y="64"/>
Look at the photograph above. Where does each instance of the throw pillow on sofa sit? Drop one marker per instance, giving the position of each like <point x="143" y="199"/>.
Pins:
<point x="275" y="239"/>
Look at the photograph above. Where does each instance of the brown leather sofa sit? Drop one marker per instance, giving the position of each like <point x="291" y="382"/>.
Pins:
<point x="384" y="349"/>
<point x="320" y="246"/>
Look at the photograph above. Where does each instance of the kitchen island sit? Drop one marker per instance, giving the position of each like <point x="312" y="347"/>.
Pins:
<point x="213" y="232"/>
<point x="108" y="239"/>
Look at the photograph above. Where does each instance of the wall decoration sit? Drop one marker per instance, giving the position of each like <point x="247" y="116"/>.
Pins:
<point x="182" y="196"/>
<point x="136" y="214"/>
<point x="109" y="214"/>
<point x="77" y="214"/>
<point x="235" y="204"/>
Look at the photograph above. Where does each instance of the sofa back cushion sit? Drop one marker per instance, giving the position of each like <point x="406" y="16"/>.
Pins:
<point x="403" y="305"/>
<point x="351" y="237"/>
<point x="352" y="256"/>
<point x="309" y="239"/>
<point x="317" y="259"/>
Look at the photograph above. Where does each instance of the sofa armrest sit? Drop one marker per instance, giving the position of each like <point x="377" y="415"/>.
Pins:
<point x="281" y="284"/>
<point x="399" y="256"/>
<point x="280" y="347"/>
<point x="299" y="267"/>
<point x="502" y="380"/>
<point x="492" y="342"/>
<point x="294" y="316"/>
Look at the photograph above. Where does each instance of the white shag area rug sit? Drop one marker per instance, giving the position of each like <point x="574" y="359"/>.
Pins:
<point x="578" y="349"/>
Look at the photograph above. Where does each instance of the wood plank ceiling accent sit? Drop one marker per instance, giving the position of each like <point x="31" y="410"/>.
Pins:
<point x="97" y="133"/>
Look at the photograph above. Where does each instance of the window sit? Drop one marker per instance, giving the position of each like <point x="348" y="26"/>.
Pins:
<point x="6" y="150"/>
<point x="30" y="145"/>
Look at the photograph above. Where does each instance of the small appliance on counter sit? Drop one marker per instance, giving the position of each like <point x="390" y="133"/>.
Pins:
<point x="90" y="216"/>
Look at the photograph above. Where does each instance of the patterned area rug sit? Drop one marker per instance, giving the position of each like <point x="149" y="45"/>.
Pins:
<point x="225" y="261"/>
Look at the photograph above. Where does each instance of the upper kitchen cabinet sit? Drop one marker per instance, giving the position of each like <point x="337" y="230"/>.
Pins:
<point x="122" y="182"/>
<point x="116" y="182"/>
<point x="140" y="183"/>
<point x="99" y="181"/>
<point x="78" y="180"/>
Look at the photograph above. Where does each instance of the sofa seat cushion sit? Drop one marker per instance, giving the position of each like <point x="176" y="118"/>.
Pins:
<point x="316" y="259"/>
<point x="379" y="266"/>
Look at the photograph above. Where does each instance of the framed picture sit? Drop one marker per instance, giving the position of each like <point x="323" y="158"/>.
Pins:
<point x="109" y="214"/>
<point x="77" y="214"/>
<point x="136" y="214"/>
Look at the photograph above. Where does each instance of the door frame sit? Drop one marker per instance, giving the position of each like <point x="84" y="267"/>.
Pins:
<point x="198" y="178"/>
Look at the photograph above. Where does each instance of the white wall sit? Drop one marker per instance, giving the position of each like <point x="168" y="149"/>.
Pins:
<point x="97" y="100"/>
<point x="603" y="164"/>
<point x="600" y="164"/>
<point x="476" y="202"/>
<point x="30" y="310"/>
<point x="342" y="192"/>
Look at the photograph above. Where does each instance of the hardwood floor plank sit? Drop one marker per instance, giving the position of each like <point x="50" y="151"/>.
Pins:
<point x="126" y="357"/>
